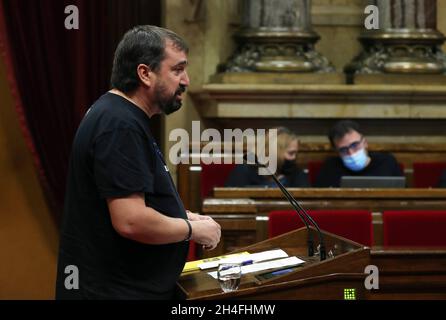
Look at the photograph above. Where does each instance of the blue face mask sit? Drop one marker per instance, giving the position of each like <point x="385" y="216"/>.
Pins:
<point x="356" y="161"/>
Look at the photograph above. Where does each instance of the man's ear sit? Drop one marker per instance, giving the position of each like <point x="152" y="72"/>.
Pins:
<point x="366" y="144"/>
<point x="145" y="75"/>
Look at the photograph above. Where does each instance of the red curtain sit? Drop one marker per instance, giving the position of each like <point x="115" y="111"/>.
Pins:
<point x="55" y="74"/>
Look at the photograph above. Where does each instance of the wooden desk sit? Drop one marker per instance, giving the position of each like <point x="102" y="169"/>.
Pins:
<point x="404" y="274"/>
<point x="418" y="273"/>
<point x="243" y="212"/>
<point x="415" y="273"/>
<point x="313" y="279"/>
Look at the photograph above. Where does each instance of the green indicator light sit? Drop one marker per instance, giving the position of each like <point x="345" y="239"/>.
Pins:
<point x="349" y="294"/>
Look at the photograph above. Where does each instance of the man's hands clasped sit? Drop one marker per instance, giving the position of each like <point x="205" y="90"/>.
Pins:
<point x="205" y="230"/>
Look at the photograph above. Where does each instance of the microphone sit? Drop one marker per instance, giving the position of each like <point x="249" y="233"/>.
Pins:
<point x="301" y="212"/>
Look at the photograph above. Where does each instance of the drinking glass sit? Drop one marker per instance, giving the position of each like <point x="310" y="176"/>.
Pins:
<point x="229" y="275"/>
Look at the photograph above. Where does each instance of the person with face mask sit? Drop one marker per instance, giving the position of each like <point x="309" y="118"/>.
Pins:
<point x="125" y="230"/>
<point x="353" y="157"/>
<point x="287" y="170"/>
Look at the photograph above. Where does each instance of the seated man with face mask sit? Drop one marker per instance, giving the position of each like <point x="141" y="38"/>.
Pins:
<point x="289" y="174"/>
<point x="354" y="159"/>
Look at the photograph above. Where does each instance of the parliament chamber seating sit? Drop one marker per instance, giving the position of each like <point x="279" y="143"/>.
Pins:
<point x="414" y="228"/>
<point x="315" y="166"/>
<point x="237" y="210"/>
<point x="313" y="170"/>
<point x="194" y="186"/>
<point x="355" y="225"/>
<point x="427" y="174"/>
<point x="213" y="175"/>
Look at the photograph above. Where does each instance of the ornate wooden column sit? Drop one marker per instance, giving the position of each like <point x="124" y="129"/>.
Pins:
<point x="276" y="36"/>
<point x="407" y="40"/>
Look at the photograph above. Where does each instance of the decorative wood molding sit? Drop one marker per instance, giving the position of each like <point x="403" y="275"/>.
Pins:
<point x="325" y="193"/>
<point x="275" y="101"/>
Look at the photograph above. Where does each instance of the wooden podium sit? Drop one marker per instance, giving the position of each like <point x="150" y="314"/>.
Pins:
<point x="341" y="273"/>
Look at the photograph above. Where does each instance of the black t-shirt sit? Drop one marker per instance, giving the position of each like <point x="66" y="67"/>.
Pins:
<point x="245" y="175"/>
<point x="381" y="164"/>
<point x="115" y="155"/>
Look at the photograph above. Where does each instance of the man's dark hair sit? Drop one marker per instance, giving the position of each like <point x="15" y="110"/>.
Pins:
<point x="340" y="129"/>
<point x="141" y="45"/>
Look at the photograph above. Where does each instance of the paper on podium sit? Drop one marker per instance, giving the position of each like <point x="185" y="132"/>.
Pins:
<point x="254" y="257"/>
<point x="274" y="264"/>
<point x="193" y="265"/>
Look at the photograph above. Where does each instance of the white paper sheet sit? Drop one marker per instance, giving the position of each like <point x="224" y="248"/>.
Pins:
<point x="274" y="264"/>
<point x="254" y="257"/>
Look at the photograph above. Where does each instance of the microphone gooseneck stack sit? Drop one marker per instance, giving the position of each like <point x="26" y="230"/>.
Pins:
<point x="302" y="213"/>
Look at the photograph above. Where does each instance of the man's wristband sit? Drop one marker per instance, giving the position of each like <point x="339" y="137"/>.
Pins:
<point x="189" y="235"/>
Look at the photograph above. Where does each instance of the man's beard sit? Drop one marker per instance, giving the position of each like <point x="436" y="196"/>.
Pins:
<point x="168" y="104"/>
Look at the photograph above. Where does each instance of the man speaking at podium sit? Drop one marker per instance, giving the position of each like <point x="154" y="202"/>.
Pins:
<point x="125" y="229"/>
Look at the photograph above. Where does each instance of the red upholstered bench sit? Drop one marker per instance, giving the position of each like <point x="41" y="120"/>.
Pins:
<point x="313" y="170"/>
<point x="355" y="225"/>
<point x="213" y="175"/>
<point x="427" y="174"/>
<point x="414" y="228"/>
